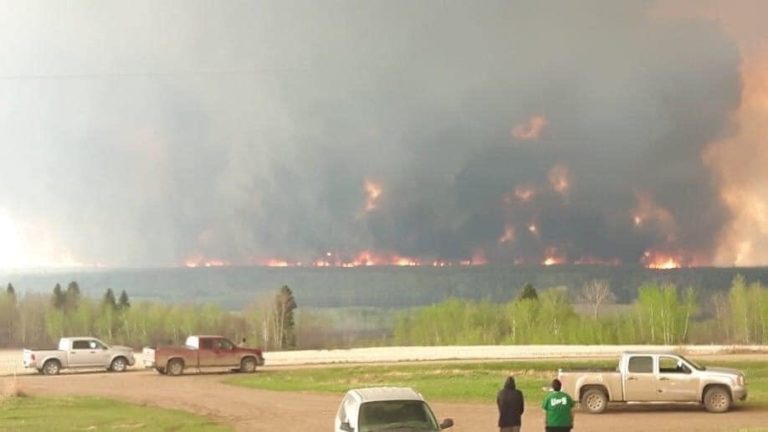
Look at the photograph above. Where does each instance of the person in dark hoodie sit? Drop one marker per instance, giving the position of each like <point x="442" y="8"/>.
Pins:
<point x="511" y="406"/>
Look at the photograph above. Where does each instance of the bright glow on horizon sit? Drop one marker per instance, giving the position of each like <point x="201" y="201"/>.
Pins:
<point x="23" y="246"/>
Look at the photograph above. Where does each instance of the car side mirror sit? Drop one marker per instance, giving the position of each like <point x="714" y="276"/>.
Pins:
<point x="446" y="424"/>
<point x="346" y="427"/>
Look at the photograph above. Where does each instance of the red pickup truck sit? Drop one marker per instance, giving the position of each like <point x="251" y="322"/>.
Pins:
<point x="201" y="352"/>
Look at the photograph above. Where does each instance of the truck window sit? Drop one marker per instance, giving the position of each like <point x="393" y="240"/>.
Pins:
<point x="672" y="365"/>
<point x="225" y="345"/>
<point x="95" y="345"/>
<point x="206" y="344"/>
<point x="641" y="364"/>
<point x="81" y="344"/>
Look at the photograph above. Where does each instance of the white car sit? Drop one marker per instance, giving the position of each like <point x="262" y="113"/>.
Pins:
<point x="392" y="409"/>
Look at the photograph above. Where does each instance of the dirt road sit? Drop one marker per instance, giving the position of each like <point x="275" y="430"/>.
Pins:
<point x="258" y="410"/>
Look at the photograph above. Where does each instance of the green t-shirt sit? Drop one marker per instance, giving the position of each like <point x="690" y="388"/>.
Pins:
<point x="558" y="406"/>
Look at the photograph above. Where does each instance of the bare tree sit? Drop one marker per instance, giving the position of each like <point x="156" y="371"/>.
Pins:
<point x="596" y="293"/>
<point x="719" y="304"/>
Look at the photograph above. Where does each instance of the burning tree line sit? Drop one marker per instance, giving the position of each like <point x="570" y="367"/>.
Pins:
<point x="34" y="320"/>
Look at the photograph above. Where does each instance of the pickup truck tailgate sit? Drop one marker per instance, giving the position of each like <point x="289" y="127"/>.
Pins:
<point x="148" y="356"/>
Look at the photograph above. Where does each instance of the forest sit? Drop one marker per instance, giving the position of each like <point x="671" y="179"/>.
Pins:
<point x="386" y="287"/>
<point x="662" y="313"/>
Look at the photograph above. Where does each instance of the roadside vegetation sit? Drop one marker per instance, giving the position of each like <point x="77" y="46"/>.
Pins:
<point x="89" y="413"/>
<point x="460" y="381"/>
<point x="661" y="313"/>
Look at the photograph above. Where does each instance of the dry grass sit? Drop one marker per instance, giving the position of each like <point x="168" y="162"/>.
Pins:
<point x="11" y="388"/>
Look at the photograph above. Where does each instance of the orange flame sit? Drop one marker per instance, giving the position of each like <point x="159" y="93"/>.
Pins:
<point x="200" y="261"/>
<point x="525" y="193"/>
<point x="739" y="161"/>
<point x="509" y="234"/>
<point x="558" y="179"/>
<point x="553" y="257"/>
<point x="372" y="194"/>
<point x="531" y="130"/>
<point x="660" y="261"/>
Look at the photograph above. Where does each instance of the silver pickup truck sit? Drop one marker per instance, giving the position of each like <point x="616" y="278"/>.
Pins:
<point x="79" y="352"/>
<point x="655" y="377"/>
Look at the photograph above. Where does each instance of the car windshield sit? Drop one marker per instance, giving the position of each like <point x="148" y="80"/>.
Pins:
<point x="407" y="415"/>
<point x="693" y="363"/>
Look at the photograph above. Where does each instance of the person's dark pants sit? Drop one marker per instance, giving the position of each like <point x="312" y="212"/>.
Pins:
<point x="559" y="428"/>
<point x="510" y="429"/>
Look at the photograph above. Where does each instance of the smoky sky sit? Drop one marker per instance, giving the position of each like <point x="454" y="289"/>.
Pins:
<point x="143" y="132"/>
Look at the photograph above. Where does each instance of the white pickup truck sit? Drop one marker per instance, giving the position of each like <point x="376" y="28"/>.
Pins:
<point x="655" y="377"/>
<point x="79" y="353"/>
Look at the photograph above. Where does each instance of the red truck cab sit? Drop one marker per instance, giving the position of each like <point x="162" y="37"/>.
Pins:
<point x="200" y="352"/>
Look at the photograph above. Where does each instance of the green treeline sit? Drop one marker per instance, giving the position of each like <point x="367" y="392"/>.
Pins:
<point x="40" y="320"/>
<point x="661" y="314"/>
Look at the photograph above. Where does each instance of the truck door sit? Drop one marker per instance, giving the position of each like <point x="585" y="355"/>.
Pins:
<point x="675" y="381"/>
<point x="639" y="379"/>
<point x="102" y="356"/>
<point x="84" y="354"/>
<point x="206" y="354"/>
<point x="225" y="353"/>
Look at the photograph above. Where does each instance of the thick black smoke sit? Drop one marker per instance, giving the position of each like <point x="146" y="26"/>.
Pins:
<point x="142" y="133"/>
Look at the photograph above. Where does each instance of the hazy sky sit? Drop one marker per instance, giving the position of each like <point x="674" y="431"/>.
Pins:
<point x="151" y="132"/>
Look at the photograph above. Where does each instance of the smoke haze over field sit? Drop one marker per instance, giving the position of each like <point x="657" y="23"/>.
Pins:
<point x="151" y="133"/>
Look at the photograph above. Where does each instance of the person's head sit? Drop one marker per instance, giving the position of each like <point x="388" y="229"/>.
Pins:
<point x="510" y="382"/>
<point x="556" y="384"/>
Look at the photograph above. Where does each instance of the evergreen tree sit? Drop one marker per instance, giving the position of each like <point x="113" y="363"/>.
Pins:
<point x="528" y="293"/>
<point x="72" y="296"/>
<point x="11" y="293"/>
<point x="109" y="300"/>
<point x="123" y="303"/>
<point x="285" y="304"/>
<point x="59" y="299"/>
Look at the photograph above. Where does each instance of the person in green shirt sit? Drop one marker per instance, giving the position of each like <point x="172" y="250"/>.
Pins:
<point x="558" y="409"/>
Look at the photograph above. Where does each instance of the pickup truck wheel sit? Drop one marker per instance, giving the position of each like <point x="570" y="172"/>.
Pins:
<point x="595" y="401"/>
<point x="119" y="364"/>
<point x="175" y="367"/>
<point x="717" y="400"/>
<point x="248" y="365"/>
<point x="51" y="367"/>
<point x="160" y="370"/>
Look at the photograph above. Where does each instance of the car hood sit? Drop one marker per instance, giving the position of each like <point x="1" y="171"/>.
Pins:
<point x="723" y="371"/>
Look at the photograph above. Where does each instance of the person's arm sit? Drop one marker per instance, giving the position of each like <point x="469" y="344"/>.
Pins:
<point x="522" y="403"/>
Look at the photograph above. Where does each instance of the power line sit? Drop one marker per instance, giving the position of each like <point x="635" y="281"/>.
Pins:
<point x="165" y="74"/>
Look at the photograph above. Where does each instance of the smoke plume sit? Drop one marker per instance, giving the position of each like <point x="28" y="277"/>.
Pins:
<point x="157" y="133"/>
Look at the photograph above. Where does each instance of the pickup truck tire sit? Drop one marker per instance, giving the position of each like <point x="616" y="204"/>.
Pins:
<point x="248" y="365"/>
<point x="51" y="367"/>
<point x="594" y="400"/>
<point x="717" y="399"/>
<point x="175" y="367"/>
<point x="119" y="364"/>
<point x="160" y="370"/>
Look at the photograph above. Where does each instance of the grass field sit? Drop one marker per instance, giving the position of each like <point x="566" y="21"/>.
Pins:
<point x="459" y="382"/>
<point x="94" y="414"/>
